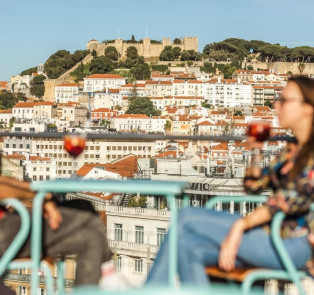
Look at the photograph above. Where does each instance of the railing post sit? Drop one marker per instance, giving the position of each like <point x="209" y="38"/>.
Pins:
<point x="36" y="238"/>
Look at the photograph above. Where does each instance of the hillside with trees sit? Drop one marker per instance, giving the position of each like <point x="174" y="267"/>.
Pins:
<point x="236" y="49"/>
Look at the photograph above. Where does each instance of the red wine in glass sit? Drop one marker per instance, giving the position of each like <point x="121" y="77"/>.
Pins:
<point x="260" y="130"/>
<point x="74" y="144"/>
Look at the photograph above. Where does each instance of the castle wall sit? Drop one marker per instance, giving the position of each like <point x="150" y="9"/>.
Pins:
<point x="145" y="49"/>
<point x="283" y="67"/>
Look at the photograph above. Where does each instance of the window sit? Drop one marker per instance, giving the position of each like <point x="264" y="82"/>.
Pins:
<point x="138" y="267"/>
<point x="118" y="232"/>
<point x="47" y="169"/>
<point x="118" y="262"/>
<point x="22" y="290"/>
<point x="139" y="234"/>
<point x="161" y="232"/>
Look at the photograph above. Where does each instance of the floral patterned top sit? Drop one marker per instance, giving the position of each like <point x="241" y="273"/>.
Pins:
<point x="293" y="196"/>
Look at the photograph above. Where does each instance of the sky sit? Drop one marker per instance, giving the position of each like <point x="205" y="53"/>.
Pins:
<point x="32" y="30"/>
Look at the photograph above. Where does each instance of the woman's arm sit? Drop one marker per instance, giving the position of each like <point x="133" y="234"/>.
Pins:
<point x="229" y="247"/>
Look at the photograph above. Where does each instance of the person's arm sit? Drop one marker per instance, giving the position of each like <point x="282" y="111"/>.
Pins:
<point x="229" y="247"/>
<point x="11" y="188"/>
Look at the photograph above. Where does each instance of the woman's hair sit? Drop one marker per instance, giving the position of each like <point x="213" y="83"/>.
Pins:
<point x="306" y="85"/>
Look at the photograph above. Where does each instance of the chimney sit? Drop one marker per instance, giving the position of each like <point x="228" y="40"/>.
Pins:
<point x="219" y="80"/>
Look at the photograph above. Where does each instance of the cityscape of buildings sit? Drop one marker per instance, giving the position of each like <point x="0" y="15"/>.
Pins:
<point x="189" y="102"/>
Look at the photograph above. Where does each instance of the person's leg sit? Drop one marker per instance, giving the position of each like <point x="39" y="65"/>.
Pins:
<point x="190" y="266"/>
<point x="256" y="249"/>
<point x="83" y="234"/>
<point x="80" y="233"/>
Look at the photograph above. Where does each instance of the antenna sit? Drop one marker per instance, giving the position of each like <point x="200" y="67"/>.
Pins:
<point x="146" y="33"/>
<point x="119" y="33"/>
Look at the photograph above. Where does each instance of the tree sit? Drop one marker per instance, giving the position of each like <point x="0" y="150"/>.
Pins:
<point x="61" y="61"/>
<point x="111" y="53"/>
<point x="12" y="121"/>
<point x="250" y="68"/>
<point x="9" y="99"/>
<point x="94" y="53"/>
<point x="176" y="52"/>
<point x="29" y="71"/>
<point x="131" y="52"/>
<point x="185" y="55"/>
<point x="141" y="71"/>
<point x="142" y="105"/>
<point x="238" y="113"/>
<point x="177" y="41"/>
<point x="38" y="86"/>
<point x="138" y="202"/>
<point x="301" y="68"/>
<point x="268" y="103"/>
<point x="101" y="65"/>
<point x="167" y="126"/>
<point x="167" y="54"/>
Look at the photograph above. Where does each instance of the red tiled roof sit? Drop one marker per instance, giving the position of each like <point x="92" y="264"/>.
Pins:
<point x="205" y="123"/>
<point x="32" y="104"/>
<point x="103" y="110"/>
<point x="219" y="147"/>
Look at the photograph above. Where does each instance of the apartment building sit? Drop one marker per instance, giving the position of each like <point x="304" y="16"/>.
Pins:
<point x="135" y="241"/>
<point x="96" y="151"/>
<point x="67" y="92"/>
<point x="39" y="168"/>
<point x="262" y="93"/>
<point x="108" y="98"/>
<point x="5" y="117"/>
<point x="228" y="93"/>
<point x="133" y="122"/>
<point x="99" y="82"/>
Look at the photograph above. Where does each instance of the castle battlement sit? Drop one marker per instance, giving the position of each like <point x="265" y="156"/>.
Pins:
<point x="146" y="48"/>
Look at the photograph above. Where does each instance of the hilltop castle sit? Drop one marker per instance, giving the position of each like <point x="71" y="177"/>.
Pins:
<point x="146" y="48"/>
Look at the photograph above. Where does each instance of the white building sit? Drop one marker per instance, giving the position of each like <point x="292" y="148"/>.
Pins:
<point x="228" y="93"/>
<point x="129" y="122"/>
<point x="67" y="92"/>
<point x="99" y="82"/>
<point x="39" y="168"/>
<point x="135" y="235"/>
<point x="109" y="98"/>
<point x="5" y="117"/>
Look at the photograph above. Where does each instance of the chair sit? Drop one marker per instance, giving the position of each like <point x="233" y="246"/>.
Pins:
<point x="164" y="188"/>
<point x="7" y="261"/>
<point x="249" y="276"/>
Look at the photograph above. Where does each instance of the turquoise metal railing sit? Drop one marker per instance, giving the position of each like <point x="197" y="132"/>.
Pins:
<point x="291" y="273"/>
<point x="21" y="236"/>
<point x="163" y="188"/>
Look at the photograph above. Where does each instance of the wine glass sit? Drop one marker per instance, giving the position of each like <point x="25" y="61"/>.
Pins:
<point x="260" y="131"/>
<point x="74" y="144"/>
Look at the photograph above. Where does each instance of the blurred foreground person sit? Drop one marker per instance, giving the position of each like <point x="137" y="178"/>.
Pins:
<point x="207" y="237"/>
<point x="70" y="229"/>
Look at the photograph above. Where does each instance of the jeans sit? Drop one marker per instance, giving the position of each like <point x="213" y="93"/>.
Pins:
<point x="200" y="234"/>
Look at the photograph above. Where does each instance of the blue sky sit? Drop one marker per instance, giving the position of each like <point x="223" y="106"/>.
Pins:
<point x="31" y="30"/>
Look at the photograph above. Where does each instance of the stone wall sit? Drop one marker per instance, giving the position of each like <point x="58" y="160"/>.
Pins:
<point x="283" y="67"/>
<point x="146" y="49"/>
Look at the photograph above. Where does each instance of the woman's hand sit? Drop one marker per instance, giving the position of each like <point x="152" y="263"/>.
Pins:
<point x="229" y="247"/>
<point x="52" y="214"/>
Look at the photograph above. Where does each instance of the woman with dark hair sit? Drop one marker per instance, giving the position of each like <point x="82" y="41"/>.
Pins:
<point x="208" y="237"/>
